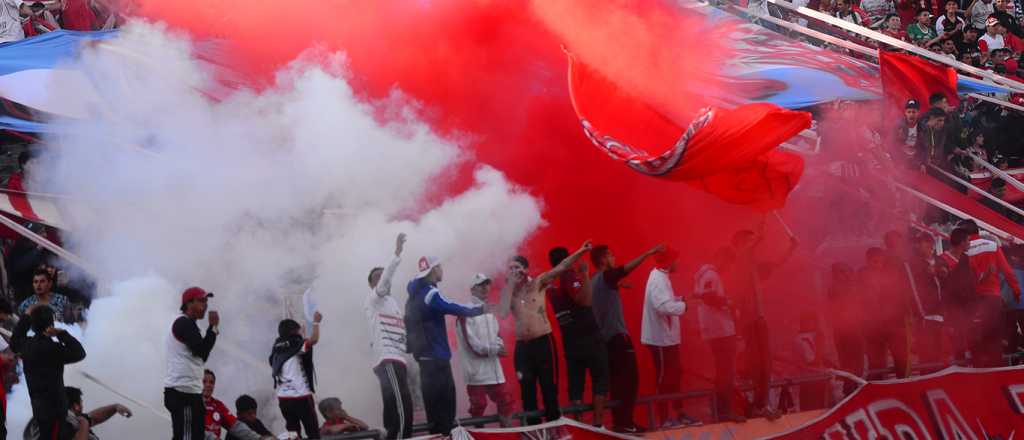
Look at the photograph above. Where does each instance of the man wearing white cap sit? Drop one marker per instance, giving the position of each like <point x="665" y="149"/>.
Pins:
<point x="427" y="340"/>
<point x="481" y="349"/>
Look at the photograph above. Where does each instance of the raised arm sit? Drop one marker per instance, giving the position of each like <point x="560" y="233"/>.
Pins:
<point x="314" y="336"/>
<point x="636" y="261"/>
<point x="384" y="285"/>
<point x="20" y="334"/>
<point x="567" y="263"/>
<point x="585" y="296"/>
<point x="187" y="333"/>
<point x="71" y="350"/>
<point x="439" y="303"/>
<point x="505" y="299"/>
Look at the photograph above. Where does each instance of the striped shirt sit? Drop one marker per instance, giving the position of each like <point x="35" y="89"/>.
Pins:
<point x="385" y="320"/>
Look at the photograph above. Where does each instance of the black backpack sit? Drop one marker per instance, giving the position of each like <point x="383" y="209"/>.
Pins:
<point x="960" y="288"/>
<point x="415" y="336"/>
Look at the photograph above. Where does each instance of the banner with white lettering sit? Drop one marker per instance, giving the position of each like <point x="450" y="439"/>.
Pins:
<point x="956" y="403"/>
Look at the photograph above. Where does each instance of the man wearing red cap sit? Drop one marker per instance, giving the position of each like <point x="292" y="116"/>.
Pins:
<point x="659" y="331"/>
<point x="187" y="351"/>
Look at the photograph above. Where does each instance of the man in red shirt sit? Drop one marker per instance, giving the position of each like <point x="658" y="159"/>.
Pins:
<point x="218" y="415"/>
<point x="988" y="262"/>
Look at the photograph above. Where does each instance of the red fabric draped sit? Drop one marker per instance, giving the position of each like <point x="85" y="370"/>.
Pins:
<point x="909" y="76"/>
<point x="730" y="153"/>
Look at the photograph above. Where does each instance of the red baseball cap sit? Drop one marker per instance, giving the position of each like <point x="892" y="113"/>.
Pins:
<point x="193" y="293"/>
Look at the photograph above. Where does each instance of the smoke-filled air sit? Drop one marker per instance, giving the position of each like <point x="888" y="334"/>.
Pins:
<point x="263" y="150"/>
<point x="256" y="198"/>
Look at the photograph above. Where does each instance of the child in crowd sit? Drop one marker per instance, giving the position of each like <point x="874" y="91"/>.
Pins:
<point x="337" y="420"/>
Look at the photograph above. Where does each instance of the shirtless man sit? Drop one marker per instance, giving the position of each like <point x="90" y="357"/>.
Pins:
<point x="535" y="360"/>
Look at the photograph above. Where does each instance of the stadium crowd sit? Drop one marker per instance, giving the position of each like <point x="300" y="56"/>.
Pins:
<point x="960" y="305"/>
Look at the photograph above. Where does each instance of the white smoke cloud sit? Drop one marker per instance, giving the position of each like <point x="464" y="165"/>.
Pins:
<point x="253" y="197"/>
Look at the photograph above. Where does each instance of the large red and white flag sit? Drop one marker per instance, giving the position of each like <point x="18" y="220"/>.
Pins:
<point x="730" y="153"/>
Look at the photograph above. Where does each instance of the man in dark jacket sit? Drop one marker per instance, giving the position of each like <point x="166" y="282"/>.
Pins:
<point x="44" y="360"/>
<point x="428" y="342"/>
<point x="928" y="309"/>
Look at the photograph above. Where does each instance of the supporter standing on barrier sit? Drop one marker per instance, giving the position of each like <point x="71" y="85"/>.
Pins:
<point x="846" y="298"/>
<point x="44" y="360"/>
<point x="535" y="358"/>
<point x="291" y="363"/>
<point x="744" y="282"/>
<point x="930" y="322"/>
<point x="988" y="264"/>
<point x="716" y="316"/>
<point x="425" y="313"/>
<point x="885" y="330"/>
<point x="958" y="290"/>
<point x="659" y="332"/>
<point x="387" y="339"/>
<point x="571" y="299"/>
<point x="187" y="351"/>
<point x="610" y="319"/>
<point x="481" y="349"/>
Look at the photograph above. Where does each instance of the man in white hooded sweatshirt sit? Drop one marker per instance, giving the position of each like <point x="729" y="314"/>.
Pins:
<point x="481" y="349"/>
<point x="659" y="332"/>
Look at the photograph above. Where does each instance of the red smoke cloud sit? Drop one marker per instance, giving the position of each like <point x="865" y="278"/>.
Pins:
<point x="493" y="75"/>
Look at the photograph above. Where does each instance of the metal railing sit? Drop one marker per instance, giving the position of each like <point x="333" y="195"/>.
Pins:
<point x="650" y="401"/>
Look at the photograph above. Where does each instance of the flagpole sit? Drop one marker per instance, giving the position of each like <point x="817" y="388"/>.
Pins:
<point x="783" y="223"/>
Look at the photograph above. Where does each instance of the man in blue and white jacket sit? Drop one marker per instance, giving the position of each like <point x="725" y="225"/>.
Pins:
<point x="428" y="342"/>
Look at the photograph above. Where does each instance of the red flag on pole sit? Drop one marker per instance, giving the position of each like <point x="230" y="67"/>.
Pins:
<point x="730" y="153"/>
<point x="909" y="76"/>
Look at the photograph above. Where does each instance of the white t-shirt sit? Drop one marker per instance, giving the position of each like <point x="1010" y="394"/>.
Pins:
<point x="293" y="381"/>
<point x="991" y="42"/>
<point x="980" y="12"/>
<point x="10" y="21"/>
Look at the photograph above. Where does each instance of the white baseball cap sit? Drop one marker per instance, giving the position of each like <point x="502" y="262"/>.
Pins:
<point x="425" y="265"/>
<point x="479" y="279"/>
